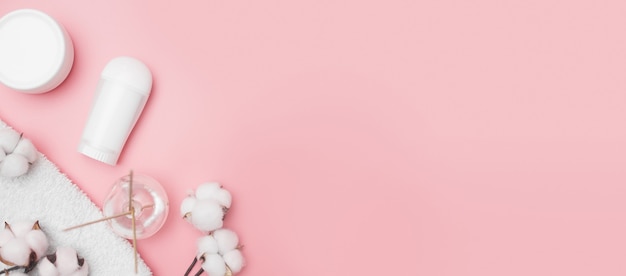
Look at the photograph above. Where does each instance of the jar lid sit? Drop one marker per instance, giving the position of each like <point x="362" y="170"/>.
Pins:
<point x="36" y="53"/>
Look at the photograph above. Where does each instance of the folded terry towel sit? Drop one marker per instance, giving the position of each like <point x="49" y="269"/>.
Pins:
<point x="47" y="195"/>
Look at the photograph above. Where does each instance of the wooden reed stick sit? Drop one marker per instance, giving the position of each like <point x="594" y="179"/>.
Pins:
<point x="131" y="208"/>
<point x="98" y="220"/>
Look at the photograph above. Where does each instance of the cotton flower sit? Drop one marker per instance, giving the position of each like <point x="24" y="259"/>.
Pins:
<point x="206" y="208"/>
<point x="214" y="191"/>
<point x="8" y="139"/>
<point x="220" y="254"/>
<point x="65" y="262"/>
<point x="16" y="153"/>
<point x="22" y="244"/>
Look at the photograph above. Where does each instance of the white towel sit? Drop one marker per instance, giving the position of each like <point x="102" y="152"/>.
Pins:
<point x="47" y="195"/>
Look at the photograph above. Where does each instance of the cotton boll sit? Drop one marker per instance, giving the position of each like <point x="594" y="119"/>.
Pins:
<point x="26" y="148"/>
<point x="214" y="191"/>
<point x="234" y="260"/>
<point x="37" y="241"/>
<point x="82" y="271"/>
<point x="8" y="139"/>
<point x="46" y="267"/>
<point x="5" y="236"/>
<point x="207" y="215"/>
<point x="16" y="251"/>
<point x="206" y="190"/>
<point x="16" y="153"/>
<point x="187" y="206"/>
<point x="14" y="165"/>
<point x="223" y="197"/>
<point x="214" y="265"/>
<point x="207" y="245"/>
<point x="21" y="228"/>
<point x="66" y="261"/>
<point x="21" y="241"/>
<point x="227" y="240"/>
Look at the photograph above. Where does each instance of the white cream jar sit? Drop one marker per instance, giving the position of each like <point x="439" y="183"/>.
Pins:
<point x="36" y="53"/>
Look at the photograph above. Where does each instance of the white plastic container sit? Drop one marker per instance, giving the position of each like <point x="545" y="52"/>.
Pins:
<point x="121" y="95"/>
<point x="36" y="53"/>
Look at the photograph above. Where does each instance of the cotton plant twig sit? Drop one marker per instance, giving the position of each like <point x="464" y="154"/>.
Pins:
<point x="193" y="264"/>
<point x="199" y="272"/>
<point x="7" y="270"/>
<point x="229" y="272"/>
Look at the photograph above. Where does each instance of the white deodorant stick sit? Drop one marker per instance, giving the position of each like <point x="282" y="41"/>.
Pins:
<point x="122" y="93"/>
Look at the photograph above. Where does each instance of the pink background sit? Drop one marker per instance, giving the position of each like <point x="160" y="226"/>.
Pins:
<point x="364" y="137"/>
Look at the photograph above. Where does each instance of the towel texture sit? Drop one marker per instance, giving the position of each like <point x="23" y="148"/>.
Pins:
<point x="47" y="195"/>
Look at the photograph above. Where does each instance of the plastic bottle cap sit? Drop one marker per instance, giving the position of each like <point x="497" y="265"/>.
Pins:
<point x="129" y="71"/>
<point x="36" y="53"/>
<point x="106" y="156"/>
